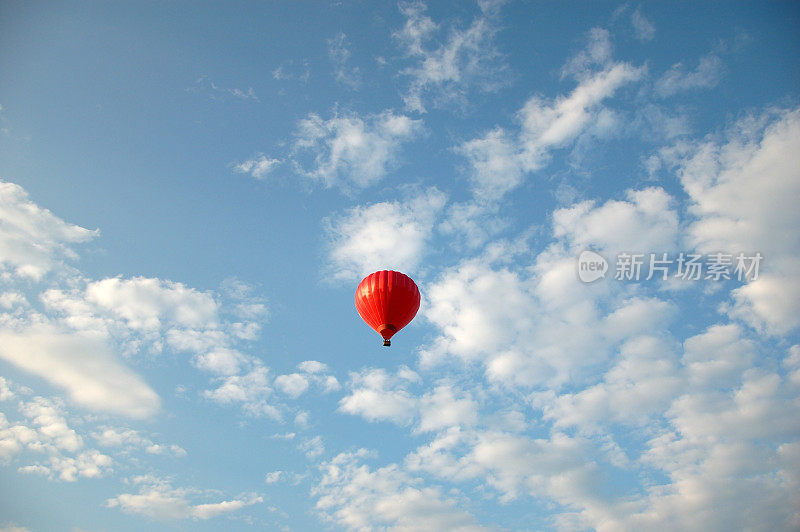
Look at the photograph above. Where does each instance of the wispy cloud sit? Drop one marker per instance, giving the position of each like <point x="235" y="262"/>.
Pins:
<point x="291" y="70"/>
<point x="206" y="85"/>
<point x="644" y="30"/>
<point x="707" y="74"/>
<point x="339" y="53"/>
<point x="499" y="159"/>
<point x="446" y="69"/>
<point x="259" y="166"/>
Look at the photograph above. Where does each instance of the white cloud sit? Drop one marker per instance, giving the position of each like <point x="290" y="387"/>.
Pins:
<point x="643" y="28"/>
<point x="128" y="439"/>
<point x="742" y="195"/>
<point x="274" y="476"/>
<point x="639" y="386"/>
<point x="499" y="159"/>
<point x="312" y="447"/>
<point x="378" y="396"/>
<point x="251" y="390"/>
<point x="353" y="496"/>
<point x="291" y="70"/>
<point x="208" y="86"/>
<point x="551" y="327"/>
<point x="313" y="372"/>
<point x="350" y="151"/>
<point x="33" y="241"/>
<point x="301" y="419"/>
<point x="150" y="314"/>
<point x="443" y="408"/>
<point x="294" y="385"/>
<point x="339" y="54"/>
<point x="258" y="166"/>
<point x="477" y="309"/>
<point x="646" y="223"/>
<point x="221" y="361"/>
<point x="88" y="464"/>
<point x="444" y="71"/>
<point x="81" y="365"/>
<point x="144" y="303"/>
<point x="717" y="357"/>
<point x="387" y="235"/>
<point x="725" y="447"/>
<point x="6" y="392"/>
<point x="496" y="164"/>
<point x="596" y="54"/>
<point x="312" y="366"/>
<point x="676" y="79"/>
<point x="552" y="124"/>
<point x="515" y="465"/>
<point x="47" y="433"/>
<point x="474" y="222"/>
<point x="157" y="499"/>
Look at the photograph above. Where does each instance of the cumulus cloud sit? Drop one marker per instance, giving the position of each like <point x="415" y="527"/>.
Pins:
<point x="552" y="328"/>
<point x="709" y="419"/>
<point x="354" y="496"/>
<point x="150" y="315"/>
<point x="742" y="194"/>
<point x="143" y="303"/>
<point x="311" y="372"/>
<point x="640" y="385"/>
<point x="251" y="390"/>
<point x="46" y="432"/>
<point x="33" y="241"/>
<point x="130" y="439"/>
<point x="351" y="151"/>
<point x="379" y="396"/>
<point x="647" y="221"/>
<point x="445" y="69"/>
<point x="386" y="235"/>
<point x="293" y="385"/>
<point x="157" y="499"/>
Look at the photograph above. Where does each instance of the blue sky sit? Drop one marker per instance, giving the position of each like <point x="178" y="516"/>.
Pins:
<point x="190" y="193"/>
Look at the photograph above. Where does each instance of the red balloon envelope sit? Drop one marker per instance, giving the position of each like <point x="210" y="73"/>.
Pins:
<point x="387" y="301"/>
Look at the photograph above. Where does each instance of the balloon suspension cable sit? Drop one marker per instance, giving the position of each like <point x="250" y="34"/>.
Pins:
<point x="387" y="343"/>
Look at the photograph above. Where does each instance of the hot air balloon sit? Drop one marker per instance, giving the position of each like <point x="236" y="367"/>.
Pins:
<point x="387" y="301"/>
